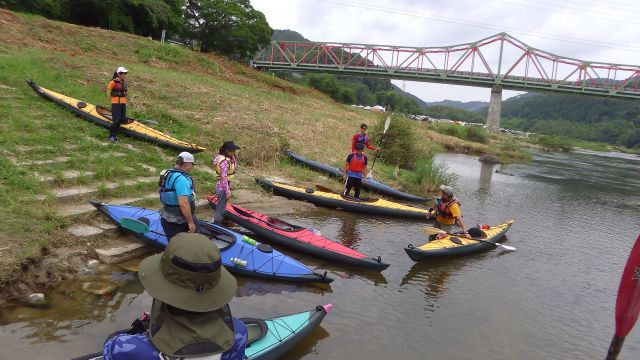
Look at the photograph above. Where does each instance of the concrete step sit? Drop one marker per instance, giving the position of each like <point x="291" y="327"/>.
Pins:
<point x="56" y="160"/>
<point x="64" y="195"/>
<point x="93" y="232"/>
<point x="122" y="249"/>
<point x="65" y="176"/>
<point x="85" y="209"/>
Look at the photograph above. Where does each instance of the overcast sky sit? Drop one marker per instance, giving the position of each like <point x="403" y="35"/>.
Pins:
<point x="604" y="31"/>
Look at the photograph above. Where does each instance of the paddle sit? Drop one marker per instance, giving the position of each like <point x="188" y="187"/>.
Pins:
<point x="432" y="230"/>
<point x="628" y="301"/>
<point x="384" y="132"/>
<point x="326" y="189"/>
<point x="137" y="226"/>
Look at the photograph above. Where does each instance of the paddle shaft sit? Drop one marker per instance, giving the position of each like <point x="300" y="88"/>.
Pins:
<point x="615" y="347"/>
<point x="384" y="133"/>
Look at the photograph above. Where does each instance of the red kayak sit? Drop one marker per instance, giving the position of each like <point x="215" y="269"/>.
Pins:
<point x="297" y="238"/>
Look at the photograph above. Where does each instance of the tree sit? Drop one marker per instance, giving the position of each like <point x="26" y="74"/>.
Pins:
<point x="229" y="27"/>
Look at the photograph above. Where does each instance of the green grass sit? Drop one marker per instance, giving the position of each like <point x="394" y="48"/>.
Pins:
<point x="470" y="133"/>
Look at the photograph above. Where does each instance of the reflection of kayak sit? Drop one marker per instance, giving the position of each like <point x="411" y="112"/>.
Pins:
<point x="446" y="247"/>
<point x="270" y="339"/>
<point x="333" y="200"/>
<point x="297" y="237"/>
<point x="261" y="260"/>
<point x="371" y="185"/>
<point x="102" y="116"/>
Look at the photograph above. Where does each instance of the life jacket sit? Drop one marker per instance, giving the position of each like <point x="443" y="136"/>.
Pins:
<point x="444" y="209"/>
<point x="165" y="189"/>
<point x="362" y="139"/>
<point x="119" y="88"/>
<point x="216" y="165"/>
<point x="356" y="165"/>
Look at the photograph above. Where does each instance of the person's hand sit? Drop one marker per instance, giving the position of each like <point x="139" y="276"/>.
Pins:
<point x="192" y="227"/>
<point x="466" y="234"/>
<point x="344" y="176"/>
<point x="378" y="149"/>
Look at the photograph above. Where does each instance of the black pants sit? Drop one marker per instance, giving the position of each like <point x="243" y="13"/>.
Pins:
<point x="353" y="182"/>
<point x="172" y="229"/>
<point x="118" y="115"/>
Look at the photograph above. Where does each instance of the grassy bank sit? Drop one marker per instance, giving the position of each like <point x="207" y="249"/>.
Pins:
<point x="196" y="97"/>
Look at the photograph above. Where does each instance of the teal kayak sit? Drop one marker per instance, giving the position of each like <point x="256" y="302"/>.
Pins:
<point x="270" y="339"/>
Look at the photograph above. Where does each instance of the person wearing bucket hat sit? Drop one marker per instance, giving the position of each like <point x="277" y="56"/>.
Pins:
<point x="117" y="91"/>
<point x="190" y="316"/>
<point x="225" y="165"/>
<point x="447" y="209"/>
<point x="177" y="194"/>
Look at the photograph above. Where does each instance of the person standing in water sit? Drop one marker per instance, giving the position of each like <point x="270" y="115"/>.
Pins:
<point x="362" y="138"/>
<point x="225" y="165"/>
<point x="354" y="171"/>
<point x="117" y="91"/>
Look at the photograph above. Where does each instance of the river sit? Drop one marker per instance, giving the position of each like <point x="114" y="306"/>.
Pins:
<point x="576" y="218"/>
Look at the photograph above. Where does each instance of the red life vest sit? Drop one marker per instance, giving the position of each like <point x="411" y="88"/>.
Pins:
<point x="119" y="88"/>
<point x="444" y="209"/>
<point x="357" y="165"/>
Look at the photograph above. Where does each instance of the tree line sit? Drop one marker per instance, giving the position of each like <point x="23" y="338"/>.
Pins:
<point x="614" y="121"/>
<point x="231" y="28"/>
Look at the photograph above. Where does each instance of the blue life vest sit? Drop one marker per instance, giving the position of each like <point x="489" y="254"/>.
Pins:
<point x="167" y="189"/>
<point x="362" y="139"/>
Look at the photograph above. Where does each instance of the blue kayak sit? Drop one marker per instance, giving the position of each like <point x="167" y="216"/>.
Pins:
<point x="370" y="185"/>
<point x="270" y="339"/>
<point x="262" y="261"/>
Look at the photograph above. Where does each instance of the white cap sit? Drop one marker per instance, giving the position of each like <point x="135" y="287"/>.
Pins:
<point x="187" y="157"/>
<point x="446" y="189"/>
<point x="122" y="69"/>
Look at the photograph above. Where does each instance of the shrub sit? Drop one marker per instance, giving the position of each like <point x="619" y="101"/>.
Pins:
<point x="398" y="144"/>
<point x="430" y="174"/>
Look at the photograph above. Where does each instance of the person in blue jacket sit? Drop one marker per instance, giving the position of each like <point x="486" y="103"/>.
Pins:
<point x="190" y="315"/>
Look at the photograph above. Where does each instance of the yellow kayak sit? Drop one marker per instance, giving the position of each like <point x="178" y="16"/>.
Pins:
<point x="322" y="197"/>
<point x="452" y="245"/>
<point x="102" y="116"/>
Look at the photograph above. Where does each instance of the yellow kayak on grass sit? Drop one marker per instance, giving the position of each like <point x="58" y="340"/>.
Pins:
<point x="452" y="245"/>
<point x="324" y="197"/>
<point x="102" y="116"/>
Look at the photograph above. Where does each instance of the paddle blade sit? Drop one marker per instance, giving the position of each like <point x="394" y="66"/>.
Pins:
<point x="386" y="124"/>
<point x="429" y="230"/>
<point x="507" y="247"/>
<point x="134" y="225"/>
<point x="628" y="301"/>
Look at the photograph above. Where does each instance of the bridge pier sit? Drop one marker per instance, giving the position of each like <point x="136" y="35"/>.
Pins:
<point x="495" y="106"/>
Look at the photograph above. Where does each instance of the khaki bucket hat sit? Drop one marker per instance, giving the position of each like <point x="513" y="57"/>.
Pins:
<point x="188" y="275"/>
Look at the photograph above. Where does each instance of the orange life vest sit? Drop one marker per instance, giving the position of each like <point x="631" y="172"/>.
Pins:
<point x="357" y="165"/>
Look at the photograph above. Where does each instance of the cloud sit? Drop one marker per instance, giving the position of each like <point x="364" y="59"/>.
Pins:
<point x="583" y="29"/>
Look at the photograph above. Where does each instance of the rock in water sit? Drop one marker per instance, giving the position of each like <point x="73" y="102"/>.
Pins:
<point x="99" y="287"/>
<point x="37" y="299"/>
<point x="489" y="159"/>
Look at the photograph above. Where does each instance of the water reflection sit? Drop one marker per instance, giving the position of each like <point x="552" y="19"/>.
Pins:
<point x="486" y="173"/>
<point x="348" y="233"/>
<point x="257" y="287"/>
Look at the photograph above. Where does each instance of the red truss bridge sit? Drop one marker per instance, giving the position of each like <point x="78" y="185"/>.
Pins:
<point x="499" y="61"/>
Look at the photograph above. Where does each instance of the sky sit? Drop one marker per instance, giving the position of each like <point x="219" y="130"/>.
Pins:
<point x="598" y="31"/>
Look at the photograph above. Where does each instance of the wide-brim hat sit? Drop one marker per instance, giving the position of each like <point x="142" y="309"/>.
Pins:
<point x="188" y="275"/>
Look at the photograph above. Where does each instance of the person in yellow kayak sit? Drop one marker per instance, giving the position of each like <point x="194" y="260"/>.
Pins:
<point x="225" y="165"/>
<point x="447" y="210"/>
<point x="117" y="91"/>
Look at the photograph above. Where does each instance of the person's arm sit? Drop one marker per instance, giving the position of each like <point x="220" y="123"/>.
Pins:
<point x="371" y="147"/>
<point x="346" y="165"/>
<point x="110" y="87"/>
<point x="353" y="143"/>
<point x="457" y="214"/>
<point x="185" y="208"/>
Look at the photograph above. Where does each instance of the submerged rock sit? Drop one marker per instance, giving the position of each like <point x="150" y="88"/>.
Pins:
<point x="489" y="159"/>
<point x="99" y="287"/>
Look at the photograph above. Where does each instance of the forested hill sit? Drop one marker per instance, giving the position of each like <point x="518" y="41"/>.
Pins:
<point x="469" y="105"/>
<point x="355" y="89"/>
<point x="608" y="120"/>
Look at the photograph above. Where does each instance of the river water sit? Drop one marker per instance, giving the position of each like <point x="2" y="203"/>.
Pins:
<point x="576" y="218"/>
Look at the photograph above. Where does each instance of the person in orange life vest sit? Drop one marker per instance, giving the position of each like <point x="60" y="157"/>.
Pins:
<point x="354" y="171"/>
<point x="447" y="210"/>
<point x="117" y="91"/>
<point x="362" y="138"/>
